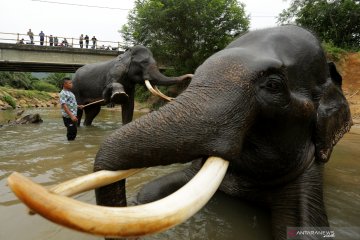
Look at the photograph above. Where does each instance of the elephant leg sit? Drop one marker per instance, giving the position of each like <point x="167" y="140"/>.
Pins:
<point x="112" y="195"/>
<point x="79" y="116"/>
<point x="90" y="113"/>
<point x="127" y="109"/>
<point x="168" y="184"/>
<point x="299" y="203"/>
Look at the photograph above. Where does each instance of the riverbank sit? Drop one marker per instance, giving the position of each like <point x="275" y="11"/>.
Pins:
<point x="18" y="98"/>
<point x="21" y="99"/>
<point x="349" y="67"/>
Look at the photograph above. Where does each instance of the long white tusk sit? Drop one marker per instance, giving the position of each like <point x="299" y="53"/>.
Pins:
<point x="189" y="75"/>
<point x="127" y="221"/>
<point x="89" y="182"/>
<point x="163" y="95"/>
<point x="156" y="91"/>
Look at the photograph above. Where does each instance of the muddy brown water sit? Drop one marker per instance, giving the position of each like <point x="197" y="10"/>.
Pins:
<point x="42" y="153"/>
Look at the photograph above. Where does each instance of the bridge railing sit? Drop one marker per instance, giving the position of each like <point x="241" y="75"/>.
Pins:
<point x="21" y="38"/>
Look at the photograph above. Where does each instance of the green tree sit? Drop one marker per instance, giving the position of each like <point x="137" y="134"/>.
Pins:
<point x="25" y="80"/>
<point x="335" y="21"/>
<point x="56" y="79"/>
<point x="20" y="80"/>
<point x="184" y="33"/>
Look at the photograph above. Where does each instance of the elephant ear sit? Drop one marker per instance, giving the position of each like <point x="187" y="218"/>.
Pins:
<point x="333" y="116"/>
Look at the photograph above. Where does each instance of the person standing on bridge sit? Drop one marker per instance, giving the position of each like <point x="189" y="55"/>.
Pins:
<point x="69" y="109"/>
<point x="56" y="41"/>
<point x="42" y="37"/>
<point x="31" y="36"/>
<point x="94" y="42"/>
<point x="51" y="40"/>
<point x="81" y="41"/>
<point x="87" y="41"/>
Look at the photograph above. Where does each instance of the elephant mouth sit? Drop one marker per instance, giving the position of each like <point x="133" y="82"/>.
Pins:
<point x="119" y="221"/>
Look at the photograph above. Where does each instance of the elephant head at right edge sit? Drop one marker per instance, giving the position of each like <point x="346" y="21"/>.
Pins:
<point x="269" y="104"/>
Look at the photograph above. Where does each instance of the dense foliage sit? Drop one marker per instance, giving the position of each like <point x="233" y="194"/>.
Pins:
<point x="335" y="21"/>
<point x="23" y="80"/>
<point x="17" y="80"/>
<point x="184" y="33"/>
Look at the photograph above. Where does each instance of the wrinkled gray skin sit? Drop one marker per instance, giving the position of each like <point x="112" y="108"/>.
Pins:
<point x="115" y="81"/>
<point x="269" y="103"/>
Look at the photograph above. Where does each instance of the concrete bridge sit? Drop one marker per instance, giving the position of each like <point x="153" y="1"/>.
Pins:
<point x="35" y="58"/>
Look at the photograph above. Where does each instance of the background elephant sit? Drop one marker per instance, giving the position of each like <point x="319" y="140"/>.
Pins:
<point x="114" y="81"/>
<point x="269" y="103"/>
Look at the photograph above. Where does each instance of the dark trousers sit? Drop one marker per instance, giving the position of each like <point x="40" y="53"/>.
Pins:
<point x="71" y="128"/>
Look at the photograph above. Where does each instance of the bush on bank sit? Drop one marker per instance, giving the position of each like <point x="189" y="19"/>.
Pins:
<point x="10" y="100"/>
<point x="10" y="97"/>
<point x="333" y="52"/>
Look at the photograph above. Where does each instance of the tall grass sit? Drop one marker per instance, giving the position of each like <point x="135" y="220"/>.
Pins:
<point x="10" y="100"/>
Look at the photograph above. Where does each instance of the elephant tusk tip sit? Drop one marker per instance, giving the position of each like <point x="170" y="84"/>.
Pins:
<point x="13" y="176"/>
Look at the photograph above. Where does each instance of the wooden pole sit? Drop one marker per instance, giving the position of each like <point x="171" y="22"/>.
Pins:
<point x="98" y="101"/>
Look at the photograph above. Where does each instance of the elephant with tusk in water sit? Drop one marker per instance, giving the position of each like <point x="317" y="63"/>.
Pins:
<point x="114" y="82"/>
<point x="258" y="121"/>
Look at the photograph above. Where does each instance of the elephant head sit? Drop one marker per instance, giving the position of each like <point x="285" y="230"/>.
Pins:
<point x="114" y="81"/>
<point x="269" y="104"/>
<point x="136" y="65"/>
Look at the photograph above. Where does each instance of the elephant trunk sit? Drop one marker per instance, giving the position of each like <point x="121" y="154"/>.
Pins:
<point x="157" y="78"/>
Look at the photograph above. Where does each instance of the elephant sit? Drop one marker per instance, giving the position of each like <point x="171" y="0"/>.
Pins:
<point x="113" y="82"/>
<point x="258" y="121"/>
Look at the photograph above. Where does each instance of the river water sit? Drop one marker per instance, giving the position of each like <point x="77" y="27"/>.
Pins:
<point x="42" y="153"/>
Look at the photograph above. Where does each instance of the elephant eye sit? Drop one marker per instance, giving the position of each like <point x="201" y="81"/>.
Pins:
<point x="274" y="83"/>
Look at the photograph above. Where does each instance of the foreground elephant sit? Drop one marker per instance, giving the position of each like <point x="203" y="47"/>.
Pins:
<point x="269" y="104"/>
<point x="114" y="81"/>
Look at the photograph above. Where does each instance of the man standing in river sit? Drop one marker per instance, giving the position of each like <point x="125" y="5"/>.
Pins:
<point x="69" y="109"/>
